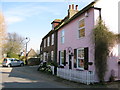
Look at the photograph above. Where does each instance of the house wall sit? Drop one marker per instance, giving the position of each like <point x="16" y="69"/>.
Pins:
<point x="72" y="39"/>
<point x="50" y="48"/>
<point x="109" y="13"/>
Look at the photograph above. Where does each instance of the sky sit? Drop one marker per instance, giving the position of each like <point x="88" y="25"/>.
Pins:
<point x="32" y="18"/>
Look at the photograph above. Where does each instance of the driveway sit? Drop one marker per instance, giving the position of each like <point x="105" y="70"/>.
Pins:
<point x="29" y="77"/>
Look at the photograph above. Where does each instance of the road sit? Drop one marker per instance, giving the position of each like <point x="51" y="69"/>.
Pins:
<point x="29" y="77"/>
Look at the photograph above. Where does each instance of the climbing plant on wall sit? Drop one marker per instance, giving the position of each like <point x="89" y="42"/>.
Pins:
<point x="104" y="41"/>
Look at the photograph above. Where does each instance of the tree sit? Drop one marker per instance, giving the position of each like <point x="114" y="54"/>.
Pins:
<point x="14" y="44"/>
<point x="104" y="41"/>
<point x="2" y="33"/>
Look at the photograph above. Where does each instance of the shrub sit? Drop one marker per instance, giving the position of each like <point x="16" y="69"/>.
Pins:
<point x="104" y="40"/>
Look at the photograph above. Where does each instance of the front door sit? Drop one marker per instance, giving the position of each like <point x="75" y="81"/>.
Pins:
<point x="70" y="62"/>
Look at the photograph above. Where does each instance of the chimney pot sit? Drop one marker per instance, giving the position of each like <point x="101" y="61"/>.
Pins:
<point x="73" y="6"/>
<point x="76" y="7"/>
<point x="69" y="6"/>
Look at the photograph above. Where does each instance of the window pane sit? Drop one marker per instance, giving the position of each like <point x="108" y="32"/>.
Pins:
<point x="62" y="36"/>
<point x="62" y="54"/>
<point x="52" y="54"/>
<point x="82" y="32"/>
<point x="44" y="42"/>
<point x="62" y="57"/>
<point x="81" y="63"/>
<point x="81" y="23"/>
<point x="80" y="58"/>
<point x="52" y="39"/>
<point x="62" y="60"/>
<point x="48" y="41"/>
<point x="62" y="33"/>
<point x="81" y="53"/>
<point x="44" y="56"/>
<point x="62" y="39"/>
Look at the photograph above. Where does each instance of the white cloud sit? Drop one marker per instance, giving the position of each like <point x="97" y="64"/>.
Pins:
<point x="13" y="19"/>
<point x="22" y="12"/>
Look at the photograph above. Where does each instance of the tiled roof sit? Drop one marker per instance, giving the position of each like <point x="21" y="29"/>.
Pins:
<point x="66" y="20"/>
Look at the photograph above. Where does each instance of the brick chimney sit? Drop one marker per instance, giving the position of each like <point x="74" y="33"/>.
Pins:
<point x="72" y="10"/>
<point x="55" y="23"/>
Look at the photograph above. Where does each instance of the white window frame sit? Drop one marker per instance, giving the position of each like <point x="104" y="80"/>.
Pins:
<point x="62" y="36"/>
<point x="61" y="63"/>
<point x="80" y="28"/>
<point x="83" y="58"/>
<point x="47" y="55"/>
<point x="41" y="56"/>
<point x="52" y="39"/>
<point x="44" y="43"/>
<point x="44" y="56"/>
<point x="52" y="55"/>
<point x="48" y="41"/>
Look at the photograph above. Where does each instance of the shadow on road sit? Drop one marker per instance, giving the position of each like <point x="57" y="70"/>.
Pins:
<point x="30" y="85"/>
<point x="27" y="77"/>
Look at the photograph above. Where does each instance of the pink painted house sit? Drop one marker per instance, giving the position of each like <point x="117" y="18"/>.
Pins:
<point x="75" y="40"/>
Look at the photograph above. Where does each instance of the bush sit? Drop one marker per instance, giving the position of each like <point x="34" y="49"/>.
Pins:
<point x="104" y="40"/>
<point x="12" y="55"/>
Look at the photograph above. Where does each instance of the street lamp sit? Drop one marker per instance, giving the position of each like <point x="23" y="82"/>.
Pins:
<point x="27" y="40"/>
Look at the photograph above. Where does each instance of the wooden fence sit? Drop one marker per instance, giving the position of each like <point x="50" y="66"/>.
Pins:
<point x="86" y="77"/>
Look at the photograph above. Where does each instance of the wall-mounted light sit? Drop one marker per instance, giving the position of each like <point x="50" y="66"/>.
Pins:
<point x="119" y="62"/>
<point x="90" y="63"/>
<point x="86" y="14"/>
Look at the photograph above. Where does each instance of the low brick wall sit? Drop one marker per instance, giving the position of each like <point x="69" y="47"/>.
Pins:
<point x="33" y="61"/>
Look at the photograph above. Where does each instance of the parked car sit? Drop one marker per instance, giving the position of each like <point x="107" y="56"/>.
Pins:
<point x="12" y="62"/>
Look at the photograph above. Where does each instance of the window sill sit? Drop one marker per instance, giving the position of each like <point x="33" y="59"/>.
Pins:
<point x="60" y="66"/>
<point x="81" y="38"/>
<point x="79" y="69"/>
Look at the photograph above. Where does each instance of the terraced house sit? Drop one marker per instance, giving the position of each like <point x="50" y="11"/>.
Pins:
<point x="75" y="45"/>
<point x="48" y="47"/>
